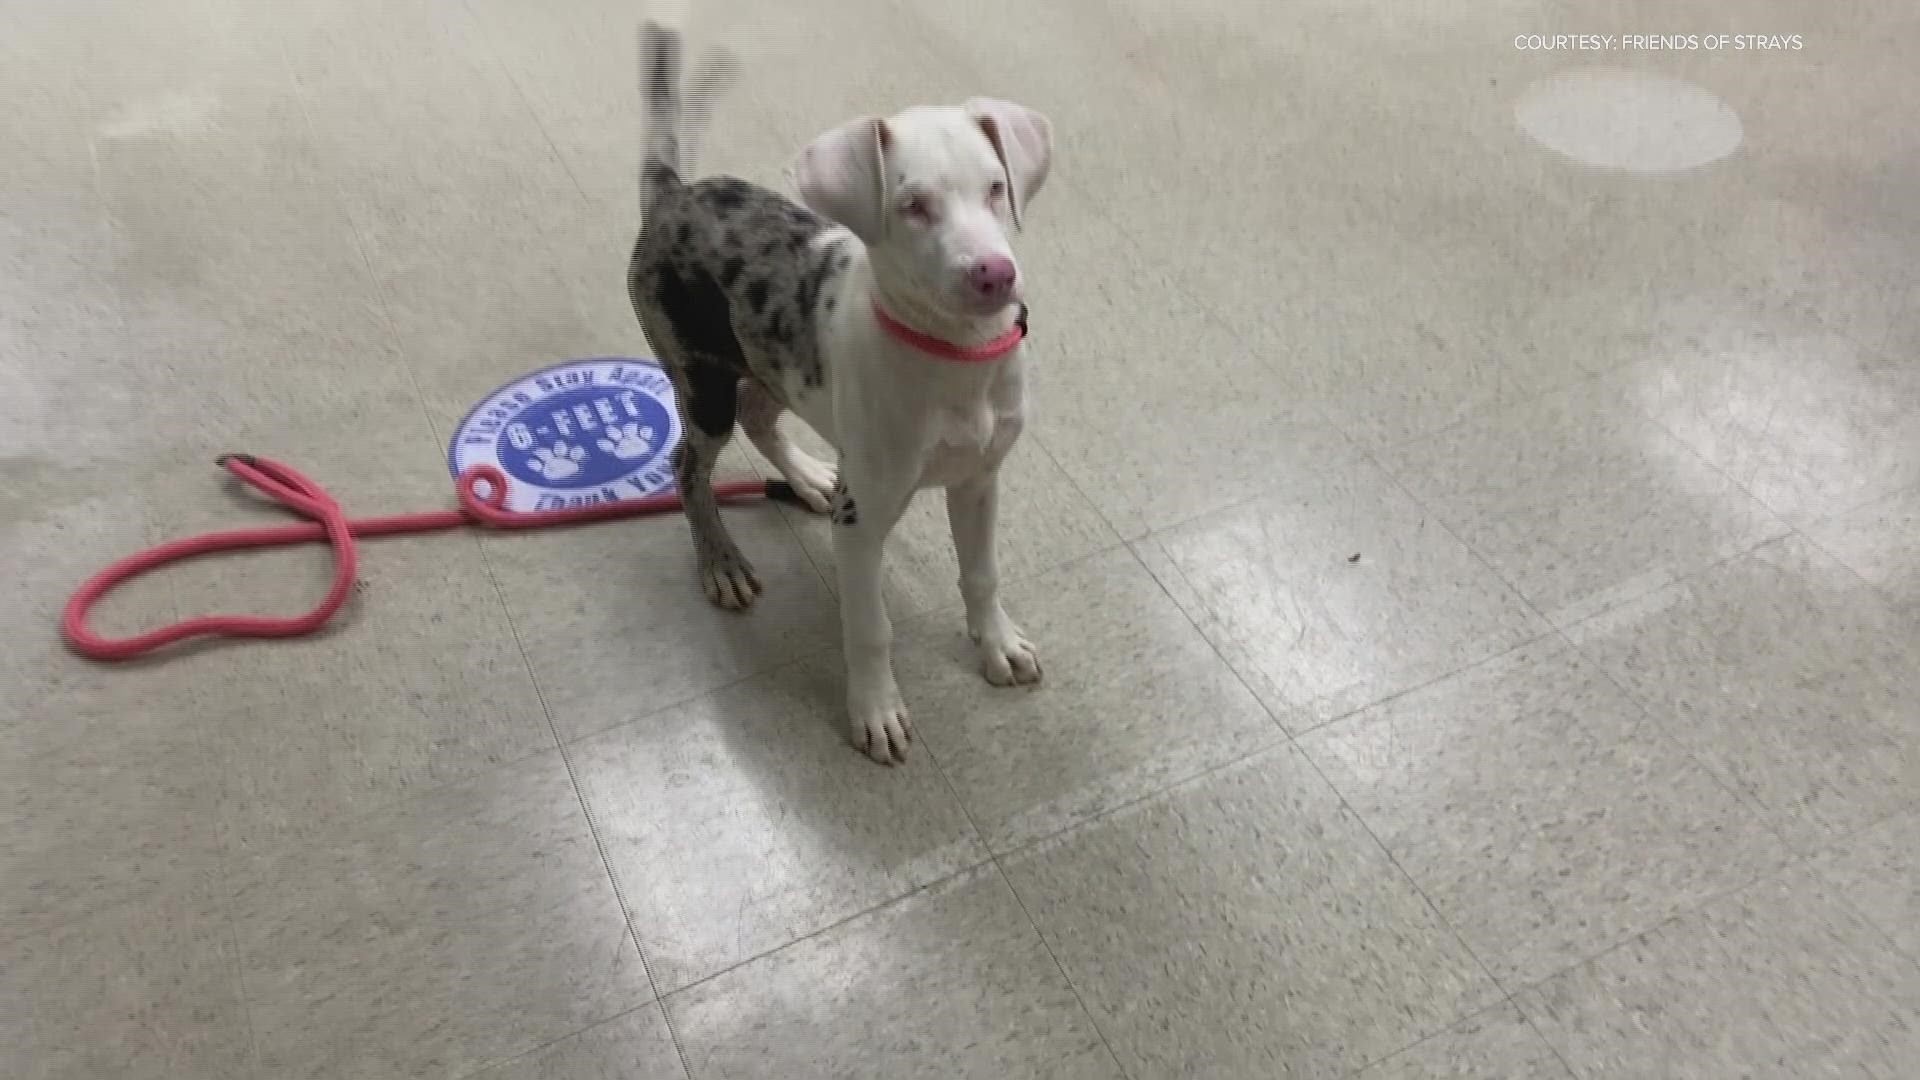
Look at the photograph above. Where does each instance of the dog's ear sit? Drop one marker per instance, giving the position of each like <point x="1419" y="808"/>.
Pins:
<point x="1024" y="140"/>
<point x="842" y="175"/>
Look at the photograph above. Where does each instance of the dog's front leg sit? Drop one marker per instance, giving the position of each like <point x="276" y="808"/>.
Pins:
<point x="866" y="505"/>
<point x="1006" y="656"/>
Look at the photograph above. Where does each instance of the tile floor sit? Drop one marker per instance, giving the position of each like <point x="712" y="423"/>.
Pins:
<point x="1481" y="591"/>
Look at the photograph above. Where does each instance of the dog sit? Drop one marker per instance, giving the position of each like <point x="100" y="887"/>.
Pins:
<point x="884" y="309"/>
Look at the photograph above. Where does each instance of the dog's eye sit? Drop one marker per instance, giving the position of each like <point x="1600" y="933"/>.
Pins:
<point x="918" y="209"/>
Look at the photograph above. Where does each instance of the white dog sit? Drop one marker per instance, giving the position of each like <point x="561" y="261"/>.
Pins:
<point x="887" y="316"/>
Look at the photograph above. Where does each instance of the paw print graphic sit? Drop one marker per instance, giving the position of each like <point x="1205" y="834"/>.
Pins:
<point x="558" y="462"/>
<point x="628" y="441"/>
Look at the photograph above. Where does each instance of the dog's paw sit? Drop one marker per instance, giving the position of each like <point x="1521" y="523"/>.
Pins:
<point x="879" y="725"/>
<point x="813" y="480"/>
<point x="729" y="580"/>
<point x="1007" y="658"/>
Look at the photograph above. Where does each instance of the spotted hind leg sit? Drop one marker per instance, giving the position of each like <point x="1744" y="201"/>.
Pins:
<point x="706" y="396"/>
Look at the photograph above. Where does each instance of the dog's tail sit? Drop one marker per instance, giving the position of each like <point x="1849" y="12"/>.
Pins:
<point x="676" y="116"/>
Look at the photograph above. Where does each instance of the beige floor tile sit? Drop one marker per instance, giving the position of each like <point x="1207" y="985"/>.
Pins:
<point x="1498" y="1042"/>
<point x="1875" y="870"/>
<point x="1780" y="980"/>
<point x="632" y="1046"/>
<point x="1881" y="542"/>
<point x="109" y="789"/>
<point x="1156" y="422"/>
<point x="122" y="67"/>
<point x="1333" y="594"/>
<point x="149" y="988"/>
<point x="1133" y="699"/>
<point x="743" y="820"/>
<point x="469" y="926"/>
<point x="1540" y="811"/>
<point x="1802" y="418"/>
<point x="420" y="64"/>
<point x="1580" y="501"/>
<point x="615" y="626"/>
<point x="1245" y="925"/>
<point x="951" y="982"/>
<point x="1780" y="671"/>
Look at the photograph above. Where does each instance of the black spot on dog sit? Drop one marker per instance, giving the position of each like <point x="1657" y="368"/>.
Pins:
<point x="658" y="175"/>
<point x="842" y="508"/>
<point x="831" y="303"/>
<point x="726" y="196"/>
<point x="813" y="282"/>
<point x="731" y="270"/>
<point x="683" y="235"/>
<point x="699" y="315"/>
<point x="771" y="248"/>
<point x="712" y="398"/>
<point x="757" y="295"/>
<point x="843" y="262"/>
<point x="661" y="64"/>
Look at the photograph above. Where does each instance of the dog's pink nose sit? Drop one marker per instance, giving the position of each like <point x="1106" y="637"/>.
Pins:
<point x="992" y="277"/>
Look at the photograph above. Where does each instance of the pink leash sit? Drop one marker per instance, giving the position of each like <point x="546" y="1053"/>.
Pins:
<point x="329" y="522"/>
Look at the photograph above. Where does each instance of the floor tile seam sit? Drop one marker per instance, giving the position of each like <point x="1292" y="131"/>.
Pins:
<point x="224" y="858"/>
<point x="1827" y="519"/>
<point x="1755" y="812"/>
<point x="1674" y="914"/>
<point x="1507" y="653"/>
<point x="1419" y="890"/>
<point x="1834" y="844"/>
<point x="1508" y="1001"/>
<point x="531" y="1052"/>
<point x="527" y="106"/>
<point x="988" y="858"/>
<point x="1782" y="872"/>
<point x="1732" y="269"/>
<point x="1282" y="730"/>
<point x="731" y="683"/>
<point x="1545" y="627"/>
<point x="560" y="745"/>
<point x="1663" y="724"/>
<point x="358" y="229"/>
<point x="1073" y="988"/>
<point x="1447" y="526"/>
<point x="1484" y="411"/>
<point x="1217" y="316"/>
<point x="594" y="829"/>
<point x="1000" y="871"/>
<point x="239" y="974"/>
<point x="1687" y="448"/>
<point x="972" y="867"/>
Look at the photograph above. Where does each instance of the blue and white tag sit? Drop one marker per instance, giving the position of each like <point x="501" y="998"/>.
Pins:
<point x="577" y="434"/>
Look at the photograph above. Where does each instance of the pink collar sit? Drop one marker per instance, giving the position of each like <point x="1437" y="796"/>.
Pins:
<point x="947" y="350"/>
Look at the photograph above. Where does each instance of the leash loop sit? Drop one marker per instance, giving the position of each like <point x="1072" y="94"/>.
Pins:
<point x="482" y="494"/>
